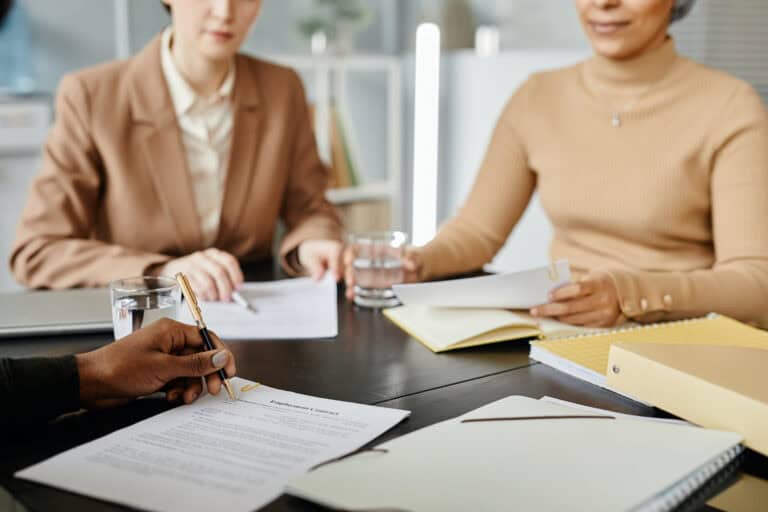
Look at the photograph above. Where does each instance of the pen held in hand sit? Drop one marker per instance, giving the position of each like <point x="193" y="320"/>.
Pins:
<point x="194" y="308"/>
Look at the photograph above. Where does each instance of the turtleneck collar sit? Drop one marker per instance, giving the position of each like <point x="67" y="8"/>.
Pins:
<point x="627" y="76"/>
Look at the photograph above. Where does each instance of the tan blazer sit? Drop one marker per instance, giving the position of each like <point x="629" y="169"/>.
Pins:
<point x="115" y="197"/>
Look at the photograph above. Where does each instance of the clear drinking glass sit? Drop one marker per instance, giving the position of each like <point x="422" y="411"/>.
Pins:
<point x="139" y="301"/>
<point x="377" y="265"/>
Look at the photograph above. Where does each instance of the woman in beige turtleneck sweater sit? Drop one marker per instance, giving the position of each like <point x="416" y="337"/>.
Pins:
<point x="652" y="168"/>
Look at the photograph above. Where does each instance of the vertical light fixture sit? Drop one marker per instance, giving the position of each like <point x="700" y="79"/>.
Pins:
<point x="425" y="133"/>
<point x="122" y="29"/>
<point x="487" y="41"/>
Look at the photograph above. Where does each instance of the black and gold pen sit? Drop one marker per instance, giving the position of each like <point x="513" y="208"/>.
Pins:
<point x="194" y="308"/>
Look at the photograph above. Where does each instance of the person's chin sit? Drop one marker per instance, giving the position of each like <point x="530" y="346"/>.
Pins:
<point x="219" y="51"/>
<point x="612" y="49"/>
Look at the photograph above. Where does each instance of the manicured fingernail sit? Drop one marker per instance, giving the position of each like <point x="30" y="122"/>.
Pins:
<point x="220" y="358"/>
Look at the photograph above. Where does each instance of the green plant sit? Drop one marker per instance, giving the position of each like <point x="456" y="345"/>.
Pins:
<point x="332" y="16"/>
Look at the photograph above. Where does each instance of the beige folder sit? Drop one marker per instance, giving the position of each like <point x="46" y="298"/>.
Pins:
<point x="719" y="387"/>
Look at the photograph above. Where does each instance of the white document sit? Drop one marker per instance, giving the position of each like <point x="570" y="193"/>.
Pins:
<point x="515" y="290"/>
<point x="523" y="455"/>
<point x="287" y="309"/>
<point x="216" y="454"/>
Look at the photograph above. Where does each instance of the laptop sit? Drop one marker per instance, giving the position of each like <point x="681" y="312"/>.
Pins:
<point x="38" y="313"/>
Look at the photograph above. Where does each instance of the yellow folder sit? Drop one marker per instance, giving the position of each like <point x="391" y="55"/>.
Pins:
<point x="586" y="357"/>
<point x="719" y="387"/>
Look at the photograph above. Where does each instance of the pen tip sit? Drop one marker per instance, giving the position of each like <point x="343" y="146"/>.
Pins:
<point x="229" y="389"/>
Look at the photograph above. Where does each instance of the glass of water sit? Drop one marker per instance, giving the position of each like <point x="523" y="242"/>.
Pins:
<point x="377" y="265"/>
<point x="139" y="301"/>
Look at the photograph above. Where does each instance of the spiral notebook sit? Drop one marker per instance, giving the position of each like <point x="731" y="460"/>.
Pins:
<point x="586" y="356"/>
<point x="524" y="454"/>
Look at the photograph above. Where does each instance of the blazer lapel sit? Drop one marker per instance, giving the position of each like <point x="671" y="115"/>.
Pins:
<point x="246" y="141"/>
<point x="168" y="167"/>
<point x="153" y="113"/>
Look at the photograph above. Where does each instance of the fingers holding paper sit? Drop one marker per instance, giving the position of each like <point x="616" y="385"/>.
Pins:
<point x="592" y="302"/>
<point x="163" y="356"/>
<point x="320" y="256"/>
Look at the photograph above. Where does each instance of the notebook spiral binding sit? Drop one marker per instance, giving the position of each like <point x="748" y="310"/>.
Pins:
<point x="619" y="330"/>
<point x="700" y="487"/>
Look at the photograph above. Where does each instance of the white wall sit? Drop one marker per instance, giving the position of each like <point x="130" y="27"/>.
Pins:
<point x="16" y="173"/>
<point x="475" y="91"/>
<point x="67" y="35"/>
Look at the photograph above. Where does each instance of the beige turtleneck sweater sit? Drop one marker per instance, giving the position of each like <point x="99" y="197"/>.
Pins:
<point x="673" y="203"/>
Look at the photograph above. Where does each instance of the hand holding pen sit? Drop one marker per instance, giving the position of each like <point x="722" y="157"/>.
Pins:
<point x="194" y="308"/>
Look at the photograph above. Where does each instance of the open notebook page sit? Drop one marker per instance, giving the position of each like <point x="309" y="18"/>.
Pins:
<point x="445" y="328"/>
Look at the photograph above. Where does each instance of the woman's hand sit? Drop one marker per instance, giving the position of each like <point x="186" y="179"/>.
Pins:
<point x="213" y="274"/>
<point x="320" y="256"/>
<point x="412" y="265"/>
<point x="592" y="302"/>
<point x="164" y="356"/>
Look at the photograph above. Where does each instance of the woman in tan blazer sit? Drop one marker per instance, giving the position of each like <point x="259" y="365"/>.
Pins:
<point x="182" y="158"/>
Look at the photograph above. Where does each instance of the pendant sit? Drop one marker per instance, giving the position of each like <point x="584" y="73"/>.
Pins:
<point x="616" y="120"/>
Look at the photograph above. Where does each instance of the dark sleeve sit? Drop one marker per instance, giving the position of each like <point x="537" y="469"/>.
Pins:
<point x="36" y="390"/>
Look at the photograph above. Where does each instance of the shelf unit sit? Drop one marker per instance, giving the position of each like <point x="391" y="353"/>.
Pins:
<point x="330" y="81"/>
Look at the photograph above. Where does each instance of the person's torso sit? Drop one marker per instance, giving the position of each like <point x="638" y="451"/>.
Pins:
<point x="635" y="195"/>
<point x="147" y="199"/>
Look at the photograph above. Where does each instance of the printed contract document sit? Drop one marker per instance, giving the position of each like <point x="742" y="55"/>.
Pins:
<point x="216" y="454"/>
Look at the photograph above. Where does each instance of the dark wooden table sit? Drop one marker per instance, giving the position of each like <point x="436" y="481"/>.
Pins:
<point x="371" y="362"/>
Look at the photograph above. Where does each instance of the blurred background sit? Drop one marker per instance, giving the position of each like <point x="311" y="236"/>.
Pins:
<point x="357" y="61"/>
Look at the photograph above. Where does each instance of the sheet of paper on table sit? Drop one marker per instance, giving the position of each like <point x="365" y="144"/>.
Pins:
<point x="287" y="309"/>
<point x="514" y="290"/>
<point x="216" y="454"/>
